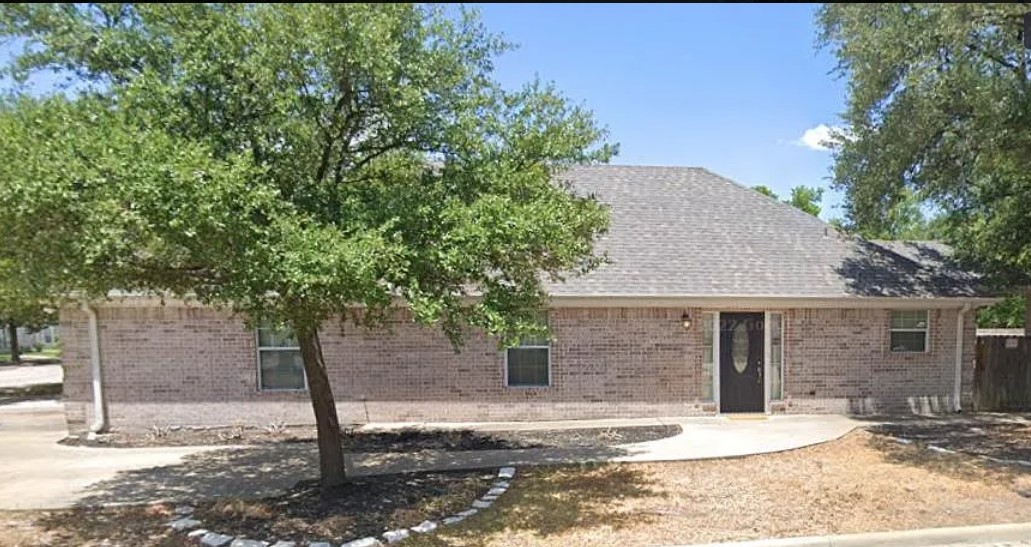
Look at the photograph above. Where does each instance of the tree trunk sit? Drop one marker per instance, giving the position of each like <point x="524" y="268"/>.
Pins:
<point x="1027" y="311"/>
<point x="331" y="452"/>
<point x="12" y="336"/>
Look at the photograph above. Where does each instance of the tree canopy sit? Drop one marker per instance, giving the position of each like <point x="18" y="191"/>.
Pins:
<point x="939" y="106"/>
<point x="295" y="162"/>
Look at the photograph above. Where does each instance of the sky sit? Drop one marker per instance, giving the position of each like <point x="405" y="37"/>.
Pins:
<point x="738" y="89"/>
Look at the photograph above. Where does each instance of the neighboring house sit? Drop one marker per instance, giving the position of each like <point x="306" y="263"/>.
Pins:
<point x="27" y="339"/>
<point x="717" y="299"/>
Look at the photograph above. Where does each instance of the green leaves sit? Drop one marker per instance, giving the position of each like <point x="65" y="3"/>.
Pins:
<point x="938" y="111"/>
<point x="294" y="161"/>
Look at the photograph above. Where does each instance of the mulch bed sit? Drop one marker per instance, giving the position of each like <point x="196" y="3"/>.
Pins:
<point x="368" y="506"/>
<point x="1003" y="436"/>
<point x="405" y="440"/>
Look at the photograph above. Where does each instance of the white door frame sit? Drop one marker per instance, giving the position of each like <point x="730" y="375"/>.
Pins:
<point x="767" y="345"/>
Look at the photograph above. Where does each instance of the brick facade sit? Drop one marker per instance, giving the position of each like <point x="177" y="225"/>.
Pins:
<point x="190" y="365"/>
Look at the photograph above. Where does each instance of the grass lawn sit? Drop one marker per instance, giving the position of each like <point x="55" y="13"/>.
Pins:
<point x="860" y="483"/>
<point x="44" y="353"/>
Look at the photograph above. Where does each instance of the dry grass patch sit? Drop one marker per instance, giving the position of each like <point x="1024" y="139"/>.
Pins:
<point x="858" y="484"/>
<point x="138" y="526"/>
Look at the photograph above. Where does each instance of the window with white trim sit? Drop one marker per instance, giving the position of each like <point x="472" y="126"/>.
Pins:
<point x="280" y="367"/>
<point x="708" y="354"/>
<point x="909" y="332"/>
<point x="529" y="363"/>
<point x="776" y="356"/>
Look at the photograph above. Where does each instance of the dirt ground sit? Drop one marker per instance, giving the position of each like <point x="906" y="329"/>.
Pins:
<point x="860" y="483"/>
<point x="404" y="440"/>
<point x="996" y="435"/>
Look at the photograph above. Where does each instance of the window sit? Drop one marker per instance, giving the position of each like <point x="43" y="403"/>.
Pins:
<point x="529" y="363"/>
<point x="776" y="356"/>
<point x="909" y="331"/>
<point x="280" y="367"/>
<point x="708" y="351"/>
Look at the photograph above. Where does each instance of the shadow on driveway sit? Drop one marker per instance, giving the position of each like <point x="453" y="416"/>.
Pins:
<point x="236" y="472"/>
<point x="267" y="470"/>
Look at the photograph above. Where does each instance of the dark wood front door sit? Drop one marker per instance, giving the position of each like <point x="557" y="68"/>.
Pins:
<point x="741" y="362"/>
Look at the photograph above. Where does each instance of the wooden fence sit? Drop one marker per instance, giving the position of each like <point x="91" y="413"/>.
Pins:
<point x="1002" y="376"/>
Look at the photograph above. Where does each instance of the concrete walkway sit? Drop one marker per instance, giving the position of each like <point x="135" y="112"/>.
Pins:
<point x="701" y="439"/>
<point x="35" y="472"/>
<point x="28" y="375"/>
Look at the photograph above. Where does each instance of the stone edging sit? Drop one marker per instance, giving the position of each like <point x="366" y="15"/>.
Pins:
<point x="184" y="521"/>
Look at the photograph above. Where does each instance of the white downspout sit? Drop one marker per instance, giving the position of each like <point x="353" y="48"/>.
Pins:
<point x="957" y="388"/>
<point x="99" y="411"/>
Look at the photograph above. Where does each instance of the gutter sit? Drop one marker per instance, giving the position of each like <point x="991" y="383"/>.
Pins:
<point x="99" y="424"/>
<point x="957" y="391"/>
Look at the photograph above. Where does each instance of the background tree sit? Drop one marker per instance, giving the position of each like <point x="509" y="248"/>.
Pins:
<point x="24" y="302"/>
<point x="939" y="106"/>
<point x="297" y="163"/>
<point x="805" y="198"/>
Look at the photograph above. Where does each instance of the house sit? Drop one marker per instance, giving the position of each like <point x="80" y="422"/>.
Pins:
<point x="716" y="299"/>
<point x="28" y="339"/>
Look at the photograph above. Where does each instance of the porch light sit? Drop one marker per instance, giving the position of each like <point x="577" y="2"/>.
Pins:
<point x="685" y="321"/>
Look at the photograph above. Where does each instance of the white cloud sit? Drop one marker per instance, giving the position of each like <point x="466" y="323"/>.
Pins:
<point x="820" y="138"/>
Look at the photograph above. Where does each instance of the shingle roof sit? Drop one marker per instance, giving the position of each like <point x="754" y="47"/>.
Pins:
<point x="684" y="231"/>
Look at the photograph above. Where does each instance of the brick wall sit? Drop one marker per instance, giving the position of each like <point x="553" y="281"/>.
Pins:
<point x="196" y="366"/>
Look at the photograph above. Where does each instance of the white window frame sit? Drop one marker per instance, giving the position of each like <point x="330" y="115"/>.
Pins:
<point x="926" y="330"/>
<point x="257" y="363"/>
<point x="768" y="354"/>
<point x="715" y="356"/>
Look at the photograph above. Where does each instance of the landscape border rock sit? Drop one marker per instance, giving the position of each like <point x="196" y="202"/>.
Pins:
<point x="185" y="521"/>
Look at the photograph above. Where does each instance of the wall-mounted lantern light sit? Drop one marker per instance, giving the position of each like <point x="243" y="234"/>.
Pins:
<point x="685" y="321"/>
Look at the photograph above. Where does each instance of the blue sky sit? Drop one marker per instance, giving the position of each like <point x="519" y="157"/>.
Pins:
<point x="729" y="87"/>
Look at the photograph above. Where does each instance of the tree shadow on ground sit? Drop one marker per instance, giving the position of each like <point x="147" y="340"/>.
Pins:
<point x="36" y="392"/>
<point x="954" y="464"/>
<point x="992" y="435"/>
<point x="139" y="526"/>
<point x="267" y="470"/>
<point x="245" y="472"/>
<point x="548" y="501"/>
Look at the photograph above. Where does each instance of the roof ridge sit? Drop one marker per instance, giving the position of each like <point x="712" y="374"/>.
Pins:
<point x="794" y="209"/>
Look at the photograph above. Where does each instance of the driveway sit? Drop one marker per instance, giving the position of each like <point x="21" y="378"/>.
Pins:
<point x="36" y="472"/>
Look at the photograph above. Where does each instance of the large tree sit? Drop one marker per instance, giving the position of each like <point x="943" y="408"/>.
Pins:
<point x="295" y="163"/>
<point x="939" y="106"/>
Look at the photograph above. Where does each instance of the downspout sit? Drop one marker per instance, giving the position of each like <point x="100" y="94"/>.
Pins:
<point x="957" y="389"/>
<point x="99" y="410"/>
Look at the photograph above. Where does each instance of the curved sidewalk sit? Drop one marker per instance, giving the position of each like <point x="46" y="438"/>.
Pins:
<point x="37" y="473"/>
<point x="701" y="439"/>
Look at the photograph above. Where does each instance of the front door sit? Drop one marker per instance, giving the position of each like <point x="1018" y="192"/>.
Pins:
<point x="741" y="362"/>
